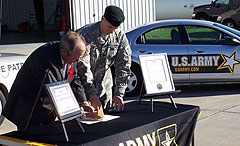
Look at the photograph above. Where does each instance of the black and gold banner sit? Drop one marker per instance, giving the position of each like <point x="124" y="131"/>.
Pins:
<point x="137" y="126"/>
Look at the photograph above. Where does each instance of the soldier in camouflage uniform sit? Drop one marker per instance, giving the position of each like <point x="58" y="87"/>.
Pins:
<point x="109" y="46"/>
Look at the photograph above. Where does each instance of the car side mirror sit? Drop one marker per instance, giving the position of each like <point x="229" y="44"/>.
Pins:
<point x="235" y="41"/>
<point x="232" y="41"/>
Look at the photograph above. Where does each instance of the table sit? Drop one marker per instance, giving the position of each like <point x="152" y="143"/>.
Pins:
<point x="166" y="126"/>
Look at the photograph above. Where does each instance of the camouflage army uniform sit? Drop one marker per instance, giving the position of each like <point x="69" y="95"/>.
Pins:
<point x="105" y="51"/>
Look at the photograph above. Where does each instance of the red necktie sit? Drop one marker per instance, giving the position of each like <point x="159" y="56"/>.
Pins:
<point x="70" y="72"/>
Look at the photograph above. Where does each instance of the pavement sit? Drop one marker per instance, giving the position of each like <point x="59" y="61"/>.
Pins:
<point x="25" y="43"/>
<point x="219" y="123"/>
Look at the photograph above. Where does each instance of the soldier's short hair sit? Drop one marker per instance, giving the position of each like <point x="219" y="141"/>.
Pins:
<point x="70" y="40"/>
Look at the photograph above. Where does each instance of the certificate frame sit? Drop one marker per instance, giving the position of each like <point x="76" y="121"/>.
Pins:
<point x="156" y="72"/>
<point x="64" y="101"/>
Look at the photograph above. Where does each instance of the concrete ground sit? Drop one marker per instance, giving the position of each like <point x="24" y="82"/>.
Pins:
<point x="9" y="38"/>
<point x="25" y="43"/>
<point x="219" y="123"/>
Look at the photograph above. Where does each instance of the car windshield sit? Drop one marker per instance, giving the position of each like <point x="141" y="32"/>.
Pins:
<point x="222" y="1"/>
<point x="228" y="28"/>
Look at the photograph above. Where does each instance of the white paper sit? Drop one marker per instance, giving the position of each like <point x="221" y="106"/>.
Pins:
<point x="105" y="119"/>
<point x="64" y="99"/>
<point x="156" y="73"/>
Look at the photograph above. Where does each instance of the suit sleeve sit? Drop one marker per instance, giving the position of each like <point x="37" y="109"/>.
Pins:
<point x="77" y="86"/>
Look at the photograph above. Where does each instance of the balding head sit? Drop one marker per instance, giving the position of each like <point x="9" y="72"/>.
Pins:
<point x="70" y="40"/>
<point x="72" y="47"/>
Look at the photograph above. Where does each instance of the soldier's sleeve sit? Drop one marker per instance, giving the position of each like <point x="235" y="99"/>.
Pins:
<point x="85" y="75"/>
<point x="84" y="32"/>
<point x="122" y="66"/>
<point x="80" y="30"/>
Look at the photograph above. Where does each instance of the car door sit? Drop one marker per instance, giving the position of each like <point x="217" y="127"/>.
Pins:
<point x="9" y="67"/>
<point x="219" y="7"/>
<point x="164" y="40"/>
<point x="211" y="58"/>
<point x="236" y="16"/>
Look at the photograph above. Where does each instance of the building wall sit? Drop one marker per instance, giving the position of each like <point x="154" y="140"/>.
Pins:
<point x="15" y="12"/>
<point x="173" y="9"/>
<point x="83" y="12"/>
<point x="88" y="11"/>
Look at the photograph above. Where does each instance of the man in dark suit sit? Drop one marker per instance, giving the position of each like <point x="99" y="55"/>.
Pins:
<point x="54" y="57"/>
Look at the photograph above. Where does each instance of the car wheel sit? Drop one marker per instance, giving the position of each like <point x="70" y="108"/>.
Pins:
<point x="135" y="82"/>
<point x="202" y="17"/>
<point x="2" y="103"/>
<point x="230" y="23"/>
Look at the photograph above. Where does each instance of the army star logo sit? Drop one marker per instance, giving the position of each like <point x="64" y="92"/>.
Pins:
<point x="229" y="61"/>
<point x="168" y="140"/>
<point x="166" y="135"/>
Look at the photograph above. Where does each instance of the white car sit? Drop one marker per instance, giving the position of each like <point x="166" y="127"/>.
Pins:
<point x="10" y="64"/>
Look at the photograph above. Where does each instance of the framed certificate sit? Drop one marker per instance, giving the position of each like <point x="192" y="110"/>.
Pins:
<point x="63" y="100"/>
<point x="156" y="73"/>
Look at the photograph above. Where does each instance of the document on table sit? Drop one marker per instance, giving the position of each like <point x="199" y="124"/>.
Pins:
<point x="105" y="119"/>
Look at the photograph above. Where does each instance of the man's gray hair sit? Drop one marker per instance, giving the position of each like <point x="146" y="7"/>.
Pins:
<point x="70" y="40"/>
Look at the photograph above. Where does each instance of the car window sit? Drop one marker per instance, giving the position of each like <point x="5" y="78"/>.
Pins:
<point x="205" y="36"/>
<point x="163" y="35"/>
<point x="228" y="28"/>
<point x="222" y="1"/>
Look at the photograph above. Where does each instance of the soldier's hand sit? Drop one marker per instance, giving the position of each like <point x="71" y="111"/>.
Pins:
<point x="87" y="107"/>
<point x="117" y="103"/>
<point x="95" y="102"/>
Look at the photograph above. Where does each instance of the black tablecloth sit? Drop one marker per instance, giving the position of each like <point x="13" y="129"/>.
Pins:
<point x="136" y="126"/>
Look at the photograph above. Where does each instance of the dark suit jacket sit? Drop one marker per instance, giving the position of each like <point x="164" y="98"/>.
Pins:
<point x="28" y="81"/>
